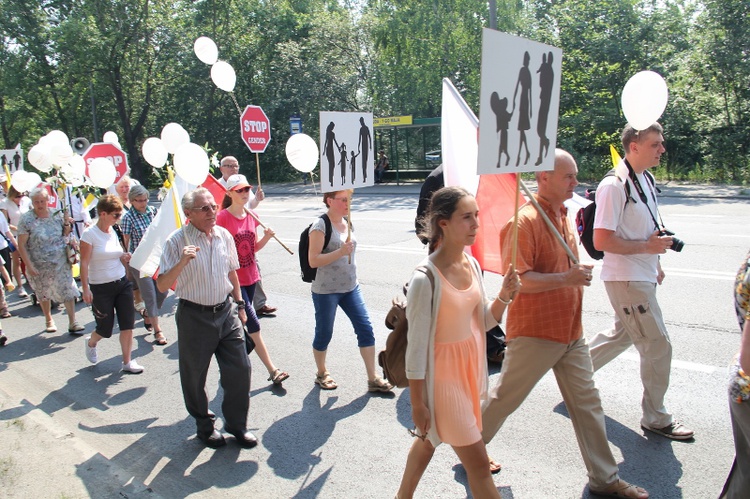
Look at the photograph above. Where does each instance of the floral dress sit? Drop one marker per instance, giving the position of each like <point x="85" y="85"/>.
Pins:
<point x="46" y="249"/>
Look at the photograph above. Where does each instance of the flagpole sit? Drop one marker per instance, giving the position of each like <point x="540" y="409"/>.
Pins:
<point x="515" y="222"/>
<point x="349" y="220"/>
<point x="549" y="224"/>
<point x="262" y="225"/>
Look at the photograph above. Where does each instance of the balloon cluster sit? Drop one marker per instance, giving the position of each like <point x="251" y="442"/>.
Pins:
<point x="222" y="73"/>
<point x="190" y="160"/>
<point x="644" y="99"/>
<point x="53" y="154"/>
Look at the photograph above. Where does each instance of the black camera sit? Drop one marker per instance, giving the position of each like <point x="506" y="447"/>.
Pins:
<point x="677" y="244"/>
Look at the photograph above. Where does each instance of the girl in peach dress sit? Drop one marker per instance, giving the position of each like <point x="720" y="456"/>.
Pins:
<point x="448" y="314"/>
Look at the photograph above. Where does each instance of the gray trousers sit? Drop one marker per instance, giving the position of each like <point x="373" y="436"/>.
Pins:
<point x="259" y="299"/>
<point x="638" y="322"/>
<point x="203" y="335"/>
<point x="527" y="360"/>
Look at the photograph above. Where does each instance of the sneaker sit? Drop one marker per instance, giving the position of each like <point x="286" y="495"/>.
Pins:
<point x="132" y="367"/>
<point x="379" y="385"/>
<point x="90" y="351"/>
<point x="51" y="327"/>
<point x="22" y="293"/>
<point x="675" y="431"/>
<point x="75" y="329"/>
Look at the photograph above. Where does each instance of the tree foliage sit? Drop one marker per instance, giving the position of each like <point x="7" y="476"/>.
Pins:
<point x="134" y="60"/>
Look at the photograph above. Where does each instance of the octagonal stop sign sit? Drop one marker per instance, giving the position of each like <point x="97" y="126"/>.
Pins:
<point x="255" y="129"/>
<point x="109" y="151"/>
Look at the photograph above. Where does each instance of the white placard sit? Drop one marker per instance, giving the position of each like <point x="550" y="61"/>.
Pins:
<point x="13" y="158"/>
<point x="519" y="104"/>
<point x="346" y="151"/>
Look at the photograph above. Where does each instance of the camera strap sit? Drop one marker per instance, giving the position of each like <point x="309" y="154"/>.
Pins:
<point x="642" y="195"/>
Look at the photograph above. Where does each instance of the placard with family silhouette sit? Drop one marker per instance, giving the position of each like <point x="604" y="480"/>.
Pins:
<point x="519" y="104"/>
<point x="346" y="150"/>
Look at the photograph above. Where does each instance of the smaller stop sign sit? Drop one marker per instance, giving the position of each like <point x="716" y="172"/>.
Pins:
<point x="109" y="151"/>
<point x="255" y="129"/>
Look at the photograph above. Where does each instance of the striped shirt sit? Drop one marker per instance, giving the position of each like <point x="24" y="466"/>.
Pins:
<point x="134" y="224"/>
<point x="205" y="279"/>
<point x="553" y="315"/>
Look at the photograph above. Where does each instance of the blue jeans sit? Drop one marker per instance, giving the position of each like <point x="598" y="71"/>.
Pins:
<point x="325" y="313"/>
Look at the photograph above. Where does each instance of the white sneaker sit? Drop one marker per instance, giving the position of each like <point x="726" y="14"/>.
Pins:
<point x="132" y="367"/>
<point x="90" y="351"/>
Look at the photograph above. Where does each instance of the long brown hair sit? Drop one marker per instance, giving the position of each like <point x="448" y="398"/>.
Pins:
<point x="442" y="205"/>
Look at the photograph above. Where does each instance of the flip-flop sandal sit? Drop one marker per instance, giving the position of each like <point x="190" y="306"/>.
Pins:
<point x="325" y="381"/>
<point x="495" y="467"/>
<point x="159" y="338"/>
<point x="278" y="376"/>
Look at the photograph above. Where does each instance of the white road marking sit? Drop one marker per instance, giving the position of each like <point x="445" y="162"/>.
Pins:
<point x="679" y="364"/>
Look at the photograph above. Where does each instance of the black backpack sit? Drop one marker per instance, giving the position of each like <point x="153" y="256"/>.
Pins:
<point x="309" y="273"/>
<point x="585" y="216"/>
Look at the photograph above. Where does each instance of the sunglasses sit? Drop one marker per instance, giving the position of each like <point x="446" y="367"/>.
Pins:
<point x="117" y="214"/>
<point x="207" y="208"/>
<point x="242" y="190"/>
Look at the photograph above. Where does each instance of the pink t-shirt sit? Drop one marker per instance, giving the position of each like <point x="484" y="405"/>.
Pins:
<point x="243" y="230"/>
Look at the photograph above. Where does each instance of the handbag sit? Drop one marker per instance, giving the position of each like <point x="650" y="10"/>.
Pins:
<point x="11" y="246"/>
<point x="71" y="250"/>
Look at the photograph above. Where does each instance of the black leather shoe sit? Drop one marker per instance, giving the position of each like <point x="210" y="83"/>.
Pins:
<point x="246" y="439"/>
<point x="213" y="440"/>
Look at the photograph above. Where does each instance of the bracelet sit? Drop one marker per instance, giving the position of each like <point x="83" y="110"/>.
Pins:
<point x="506" y="303"/>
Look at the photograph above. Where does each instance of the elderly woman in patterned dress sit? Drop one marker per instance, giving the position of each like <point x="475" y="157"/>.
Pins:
<point x="42" y="240"/>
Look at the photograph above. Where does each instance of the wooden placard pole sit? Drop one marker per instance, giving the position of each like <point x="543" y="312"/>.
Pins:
<point x="262" y="225"/>
<point x="349" y="220"/>
<point x="515" y="222"/>
<point x="257" y="168"/>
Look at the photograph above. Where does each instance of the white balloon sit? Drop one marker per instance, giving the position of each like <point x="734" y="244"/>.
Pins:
<point x="223" y="75"/>
<point x="191" y="163"/>
<point x="40" y="157"/>
<point x="77" y="165"/>
<point x="111" y="137"/>
<point x="61" y="154"/>
<point x="102" y="172"/>
<point x="206" y="50"/>
<point x="154" y="152"/>
<point x="644" y="99"/>
<point x="302" y="152"/>
<point x="32" y="180"/>
<point x="56" y="137"/>
<point x="19" y="180"/>
<point x="173" y="136"/>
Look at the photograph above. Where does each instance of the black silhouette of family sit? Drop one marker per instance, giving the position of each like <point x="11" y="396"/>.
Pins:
<point x="503" y="117"/>
<point x="331" y="146"/>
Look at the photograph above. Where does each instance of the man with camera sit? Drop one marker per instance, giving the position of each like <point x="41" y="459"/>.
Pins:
<point x="627" y="231"/>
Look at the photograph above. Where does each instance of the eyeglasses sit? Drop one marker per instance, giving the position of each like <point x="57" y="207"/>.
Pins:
<point x="414" y="433"/>
<point x="144" y="200"/>
<point x="207" y="208"/>
<point x="233" y="166"/>
<point x="242" y="190"/>
<point x="116" y="214"/>
<point x="343" y="200"/>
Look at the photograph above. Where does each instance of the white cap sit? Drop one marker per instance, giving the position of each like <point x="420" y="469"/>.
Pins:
<point x="237" y="181"/>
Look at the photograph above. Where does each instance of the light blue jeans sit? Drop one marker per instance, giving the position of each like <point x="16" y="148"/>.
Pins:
<point x="353" y="306"/>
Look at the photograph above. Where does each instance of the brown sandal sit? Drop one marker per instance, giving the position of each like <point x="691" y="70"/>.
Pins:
<point x="325" y="381"/>
<point x="159" y="338"/>
<point x="278" y="376"/>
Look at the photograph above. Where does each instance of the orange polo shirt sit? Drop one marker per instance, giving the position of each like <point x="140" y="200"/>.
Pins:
<point x="551" y="315"/>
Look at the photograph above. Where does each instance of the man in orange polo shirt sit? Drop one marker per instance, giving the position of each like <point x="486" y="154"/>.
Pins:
<point x="544" y="329"/>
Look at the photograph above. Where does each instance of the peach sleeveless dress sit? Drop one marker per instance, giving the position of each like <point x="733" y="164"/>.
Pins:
<point x="457" y="387"/>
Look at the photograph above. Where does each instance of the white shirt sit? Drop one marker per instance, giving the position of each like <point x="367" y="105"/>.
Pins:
<point x="15" y="211"/>
<point x="631" y="222"/>
<point x="105" y="265"/>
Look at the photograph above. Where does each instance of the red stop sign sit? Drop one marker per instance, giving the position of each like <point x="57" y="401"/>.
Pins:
<point x="255" y="129"/>
<point x="109" y="151"/>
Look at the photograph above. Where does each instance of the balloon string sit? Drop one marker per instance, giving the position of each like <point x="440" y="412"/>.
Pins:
<point x="239" y="111"/>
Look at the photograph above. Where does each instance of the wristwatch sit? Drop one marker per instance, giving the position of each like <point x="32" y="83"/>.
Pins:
<point x="241" y="303"/>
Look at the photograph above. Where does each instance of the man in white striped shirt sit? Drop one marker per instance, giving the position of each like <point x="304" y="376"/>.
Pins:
<point x="202" y="258"/>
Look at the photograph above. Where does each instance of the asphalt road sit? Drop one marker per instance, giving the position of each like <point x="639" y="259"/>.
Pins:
<point x="75" y="430"/>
